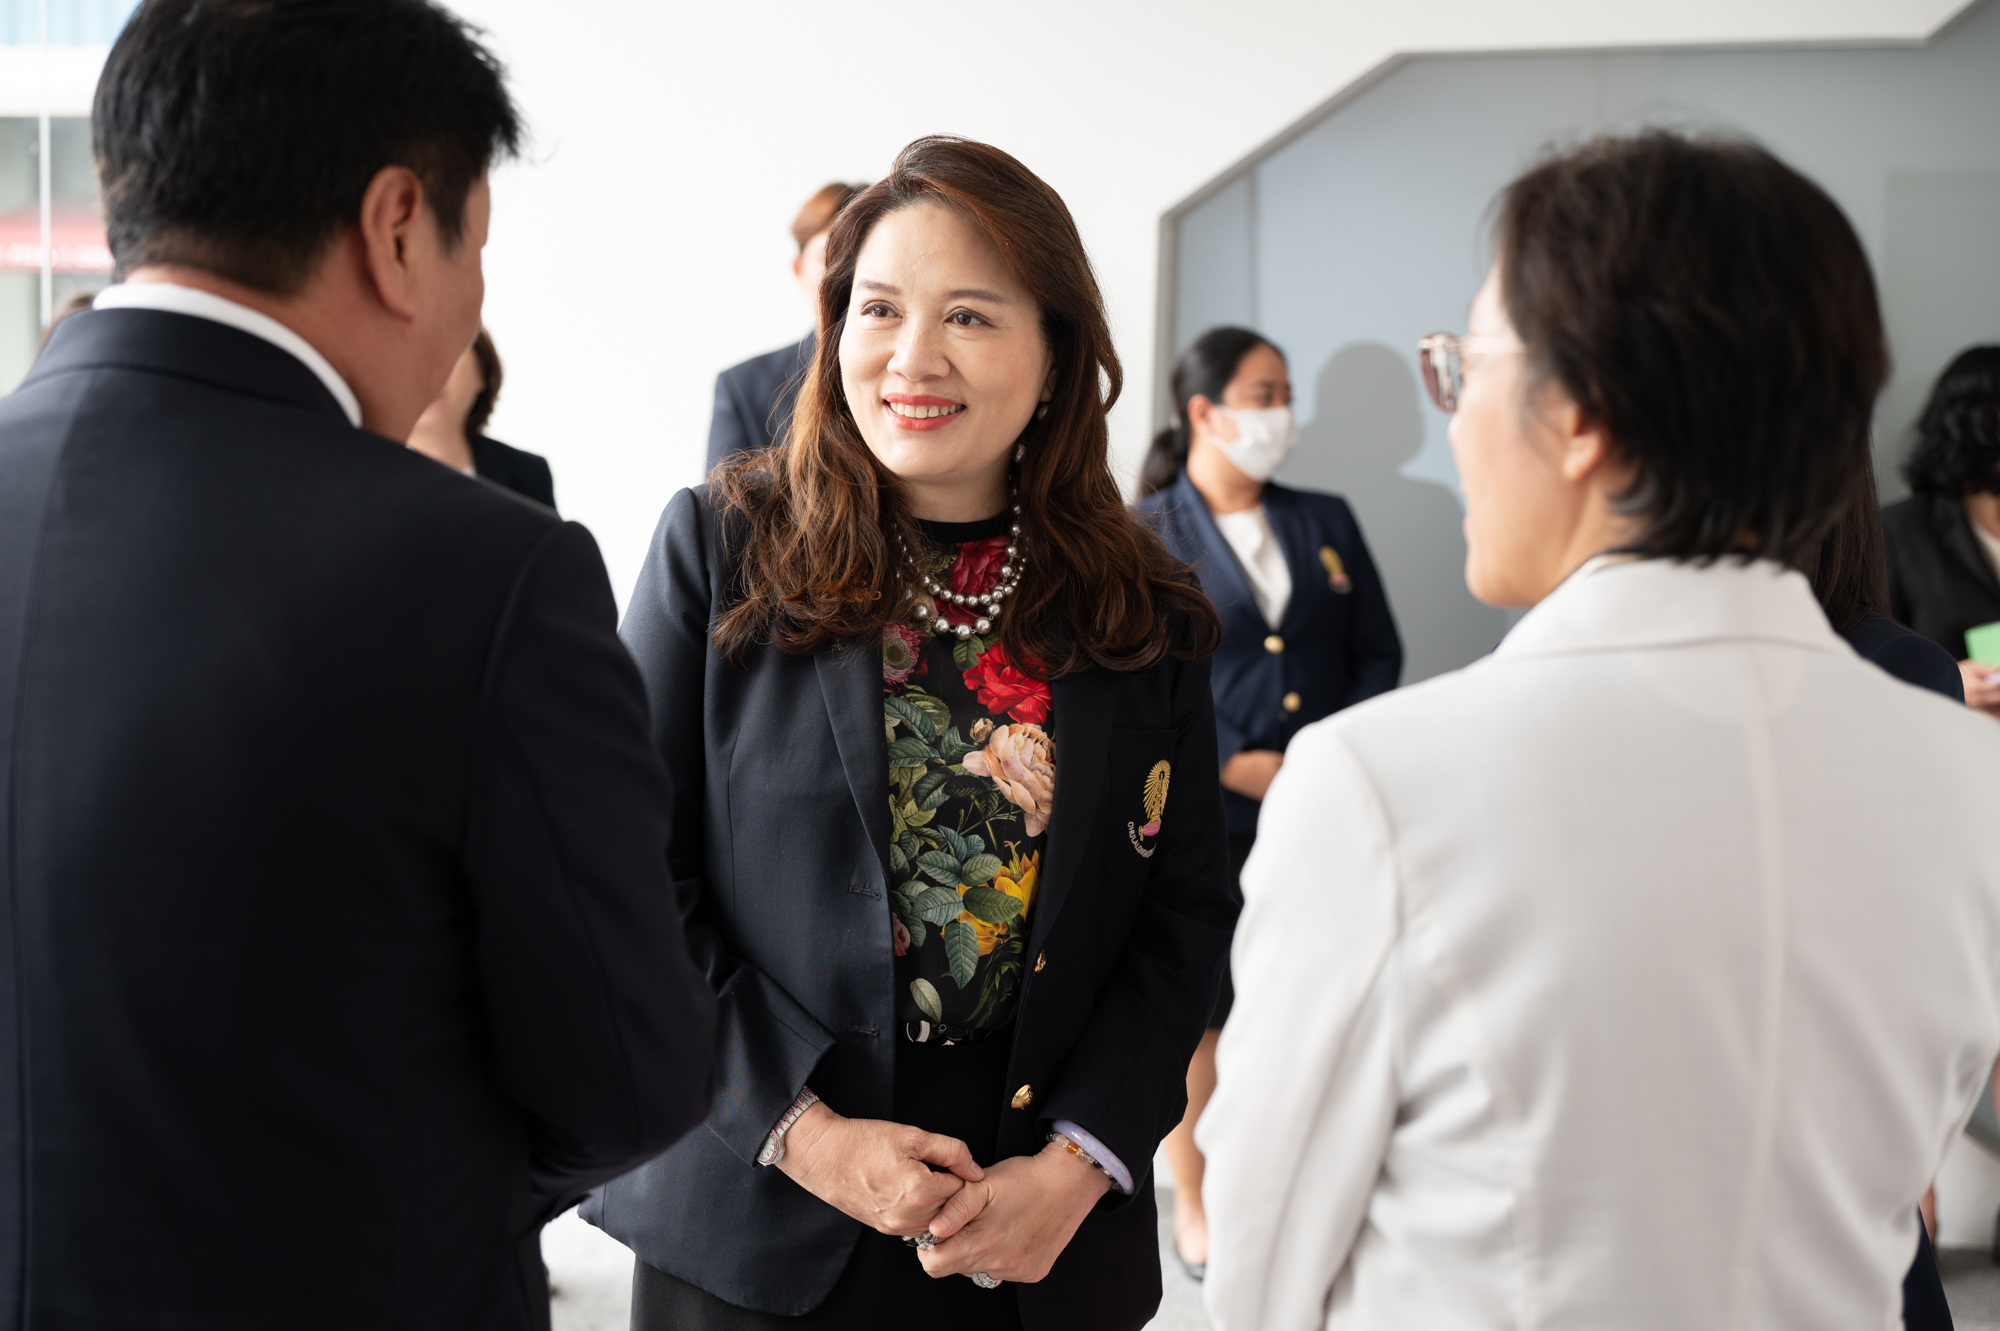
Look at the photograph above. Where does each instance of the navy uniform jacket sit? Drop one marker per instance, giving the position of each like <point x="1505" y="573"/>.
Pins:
<point x="1336" y="645"/>
<point x="780" y="859"/>
<point x="753" y="401"/>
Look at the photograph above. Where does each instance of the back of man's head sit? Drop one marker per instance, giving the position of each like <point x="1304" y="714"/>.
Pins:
<point x="238" y="136"/>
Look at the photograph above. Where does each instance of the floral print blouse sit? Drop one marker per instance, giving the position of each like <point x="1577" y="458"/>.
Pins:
<point x="971" y="782"/>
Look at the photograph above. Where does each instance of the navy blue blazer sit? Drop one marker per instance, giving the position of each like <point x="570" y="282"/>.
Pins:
<point x="780" y="858"/>
<point x="753" y="401"/>
<point x="1336" y="645"/>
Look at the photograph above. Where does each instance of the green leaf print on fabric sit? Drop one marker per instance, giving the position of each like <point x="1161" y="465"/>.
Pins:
<point x="910" y="751"/>
<point x="926" y="995"/>
<point x="911" y="715"/>
<point x="939" y="866"/>
<point x="939" y="906"/>
<point x="961" y="950"/>
<point x="963" y="863"/>
<point x="979" y="869"/>
<point x="991" y="907"/>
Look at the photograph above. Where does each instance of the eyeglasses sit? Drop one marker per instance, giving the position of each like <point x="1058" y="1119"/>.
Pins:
<point x="1441" y="357"/>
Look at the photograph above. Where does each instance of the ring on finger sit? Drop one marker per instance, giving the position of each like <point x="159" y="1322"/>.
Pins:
<point x="923" y="1242"/>
<point x="984" y="1281"/>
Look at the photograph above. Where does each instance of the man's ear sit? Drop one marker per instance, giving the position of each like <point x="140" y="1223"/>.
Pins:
<point x="393" y="214"/>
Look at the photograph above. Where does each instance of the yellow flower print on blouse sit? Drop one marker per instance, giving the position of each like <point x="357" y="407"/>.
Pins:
<point x="1017" y="880"/>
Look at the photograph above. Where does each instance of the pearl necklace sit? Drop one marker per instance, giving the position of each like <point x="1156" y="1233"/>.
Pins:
<point x="986" y="605"/>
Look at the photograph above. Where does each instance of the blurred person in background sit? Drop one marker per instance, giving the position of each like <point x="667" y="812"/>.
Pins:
<point x="1306" y="625"/>
<point x="1585" y="987"/>
<point x="75" y="303"/>
<point x="1944" y="540"/>
<point x="452" y="429"/>
<point x="341" y="944"/>
<point x="1850" y="581"/>
<point x="753" y="401"/>
<point x="947" y="832"/>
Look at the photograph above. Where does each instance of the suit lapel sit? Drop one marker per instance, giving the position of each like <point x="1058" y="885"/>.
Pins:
<point x="1082" y="705"/>
<point x="850" y="679"/>
<point x="1288" y="527"/>
<point x="1221" y="576"/>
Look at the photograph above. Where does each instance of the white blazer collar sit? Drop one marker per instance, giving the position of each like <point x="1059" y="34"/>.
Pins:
<point x="1612" y="605"/>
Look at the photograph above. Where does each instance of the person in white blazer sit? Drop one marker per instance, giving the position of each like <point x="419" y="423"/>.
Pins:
<point x="1638" y="975"/>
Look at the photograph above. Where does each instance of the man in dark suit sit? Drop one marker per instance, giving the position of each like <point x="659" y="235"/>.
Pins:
<point x="339" y="947"/>
<point x="753" y="401"/>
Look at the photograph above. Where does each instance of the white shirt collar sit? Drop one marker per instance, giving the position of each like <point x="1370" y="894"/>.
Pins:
<point x="177" y="299"/>
<point x="1619" y="604"/>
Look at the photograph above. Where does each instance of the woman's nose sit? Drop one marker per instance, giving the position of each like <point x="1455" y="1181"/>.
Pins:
<point x="919" y="353"/>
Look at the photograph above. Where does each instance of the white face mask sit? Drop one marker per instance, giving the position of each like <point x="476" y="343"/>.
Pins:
<point x="1265" y="437"/>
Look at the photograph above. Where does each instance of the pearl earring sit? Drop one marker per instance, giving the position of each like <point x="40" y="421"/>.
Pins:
<point x="1020" y="451"/>
<point x="1041" y="411"/>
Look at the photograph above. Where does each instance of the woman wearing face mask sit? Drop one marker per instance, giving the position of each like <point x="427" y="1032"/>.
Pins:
<point x="1306" y="626"/>
<point x="947" y="831"/>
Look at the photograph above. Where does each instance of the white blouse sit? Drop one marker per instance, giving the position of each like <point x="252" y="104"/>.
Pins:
<point x="1636" y="976"/>
<point x="1256" y="547"/>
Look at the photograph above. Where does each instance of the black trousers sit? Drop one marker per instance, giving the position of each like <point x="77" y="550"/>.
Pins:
<point x="957" y="1090"/>
<point x="1924" y="1308"/>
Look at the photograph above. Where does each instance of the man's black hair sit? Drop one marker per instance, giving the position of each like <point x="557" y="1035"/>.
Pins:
<point x="238" y="136"/>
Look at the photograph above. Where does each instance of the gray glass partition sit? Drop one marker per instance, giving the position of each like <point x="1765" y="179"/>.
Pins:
<point x="1361" y="229"/>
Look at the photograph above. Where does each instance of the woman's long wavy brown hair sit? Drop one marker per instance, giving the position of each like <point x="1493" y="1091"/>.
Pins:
<point x="815" y="518"/>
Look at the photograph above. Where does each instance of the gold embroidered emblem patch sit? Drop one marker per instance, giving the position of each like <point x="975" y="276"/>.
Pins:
<point x="1336" y="572"/>
<point x="1154" y="800"/>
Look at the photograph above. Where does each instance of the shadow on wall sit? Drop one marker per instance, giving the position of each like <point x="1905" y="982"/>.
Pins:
<point x="1367" y="427"/>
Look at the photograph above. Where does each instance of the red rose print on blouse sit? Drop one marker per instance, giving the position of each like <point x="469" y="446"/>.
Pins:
<point x="977" y="569"/>
<point x="1003" y="688"/>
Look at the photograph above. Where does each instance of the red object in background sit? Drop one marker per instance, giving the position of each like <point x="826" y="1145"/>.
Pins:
<point x="77" y="232"/>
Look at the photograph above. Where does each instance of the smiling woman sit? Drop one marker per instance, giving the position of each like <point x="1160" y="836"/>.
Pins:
<point x="948" y="834"/>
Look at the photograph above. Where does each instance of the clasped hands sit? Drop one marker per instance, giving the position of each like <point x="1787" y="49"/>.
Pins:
<point x="1011" y="1221"/>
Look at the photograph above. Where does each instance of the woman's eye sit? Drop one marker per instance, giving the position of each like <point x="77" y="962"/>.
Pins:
<point x="875" y="309"/>
<point x="964" y="318"/>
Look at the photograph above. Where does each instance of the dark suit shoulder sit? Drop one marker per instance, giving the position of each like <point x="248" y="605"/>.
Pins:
<point x="1320" y="504"/>
<point x="772" y="367"/>
<point x="1907" y="655"/>
<point x="524" y="473"/>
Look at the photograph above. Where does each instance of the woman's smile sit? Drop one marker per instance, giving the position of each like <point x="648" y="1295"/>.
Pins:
<point x="907" y="412"/>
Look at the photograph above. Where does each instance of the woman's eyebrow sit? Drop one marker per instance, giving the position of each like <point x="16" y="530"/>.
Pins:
<point x="869" y="284"/>
<point x="978" y="293"/>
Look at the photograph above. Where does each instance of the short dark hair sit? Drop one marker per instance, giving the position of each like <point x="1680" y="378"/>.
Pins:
<point x="238" y="136"/>
<point x="1850" y="570"/>
<point x="817" y="213"/>
<point x="1958" y="437"/>
<point x="1714" y="313"/>
<point x="490" y="375"/>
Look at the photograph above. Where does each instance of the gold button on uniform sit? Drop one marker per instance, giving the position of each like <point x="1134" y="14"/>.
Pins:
<point x="1293" y="702"/>
<point x="1040" y="962"/>
<point x="1024" y="1097"/>
<point x="1274" y="644"/>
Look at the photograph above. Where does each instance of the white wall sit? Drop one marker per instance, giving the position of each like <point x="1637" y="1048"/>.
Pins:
<point x="641" y="247"/>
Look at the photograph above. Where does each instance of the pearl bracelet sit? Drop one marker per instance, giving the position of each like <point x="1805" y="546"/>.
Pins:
<point x="774" y="1145"/>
